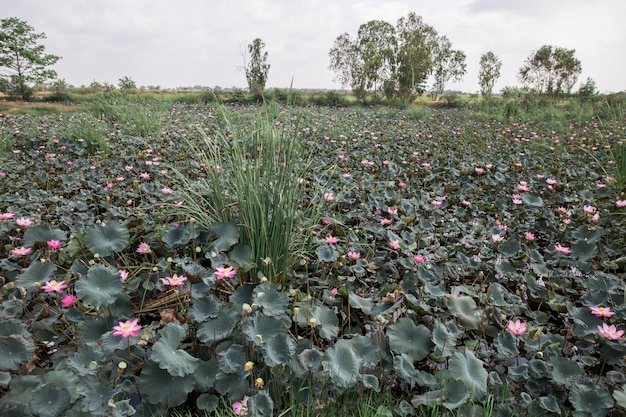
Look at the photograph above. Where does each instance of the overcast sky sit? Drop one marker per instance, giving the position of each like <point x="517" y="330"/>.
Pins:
<point x="200" y="42"/>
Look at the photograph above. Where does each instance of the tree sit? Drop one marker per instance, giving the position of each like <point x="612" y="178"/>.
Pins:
<point x="347" y="64"/>
<point x="551" y="70"/>
<point x="257" y="68"/>
<point x="23" y="60"/>
<point x="416" y="42"/>
<point x="587" y="89"/>
<point x="395" y="60"/>
<point x="376" y="42"/>
<point x="126" y="84"/>
<point x="488" y="73"/>
<point x="449" y="65"/>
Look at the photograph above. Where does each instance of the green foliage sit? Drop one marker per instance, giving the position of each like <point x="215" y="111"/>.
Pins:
<point x="488" y="73"/>
<point x="551" y="70"/>
<point x="24" y="57"/>
<point x="439" y="233"/>
<point x="257" y="68"/>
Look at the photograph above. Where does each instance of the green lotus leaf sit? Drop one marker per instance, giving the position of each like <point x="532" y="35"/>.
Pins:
<point x="35" y="275"/>
<point x="50" y="400"/>
<point x="5" y="378"/>
<point x="205" y="374"/>
<point x="42" y="233"/>
<point x="594" y="400"/>
<point x="204" y="309"/>
<point x="364" y="348"/>
<point x="342" y="365"/>
<point x="327" y="321"/>
<point x="404" y="408"/>
<point x="550" y="404"/>
<point x="162" y="388"/>
<point x="269" y="299"/>
<point x="123" y="408"/>
<point x="532" y="200"/>
<point x="506" y="344"/>
<point x="590" y="235"/>
<point x="87" y="353"/>
<point x="95" y="395"/>
<point x="563" y="370"/>
<point x="177" y="235"/>
<point x="362" y="303"/>
<point x="620" y="396"/>
<point x="227" y="236"/>
<point x="584" y="251"/>
<point x="215" y="330"/>
<point x="232" y="360"/>
<point x="326" y="254"/>
<point x="261" y="405"/>
<point x="100" y="287"/>
<point x="16" y="344"/>
<point x="403" y="365"/>
<point x="278" y="350"/>
<point x="509" y="248"/>
<point x="456" y="394"/>
<point x="465" y="367"/>
<point x="310" y="359"/>
<point x="207" y="402"/>
<point x="465" y="310"/>
<point x="241" y="257"/>
<point x="370" y="381"/>
<point x="242" y="295"/>
<point x="430" y="399"/>
<point x="165" y="352"/>
<point x="445" y="337"/>
<point x="406" y="337"/>
<point x="232" y="383"/>
<point x="267" y="327"/>
<point x="104" y="240"/>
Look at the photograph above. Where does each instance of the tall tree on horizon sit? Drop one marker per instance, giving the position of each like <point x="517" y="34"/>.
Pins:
<point x="257" y="68"/>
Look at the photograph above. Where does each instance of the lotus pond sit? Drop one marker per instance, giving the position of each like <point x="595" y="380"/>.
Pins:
<point x="191" y="256"/>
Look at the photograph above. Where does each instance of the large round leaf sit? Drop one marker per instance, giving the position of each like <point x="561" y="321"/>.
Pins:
<point x="261" y="328"/>
<point x="215" y="330"/>
<point x="261" y="404"/>
<point x="592" y="400"/>
<point x="269" y="299"/>
<point x="465" y="310"/>
<point x="35" y="275"/>
<point x="100" y="287"/>
<point x="104" y="240"/>
<point x="42" y="234"/>
<point x="16" y="344"/>
<point x="342" y="365"/>
<point x="278" y="350"/>
<point x="469" y="369"/>
<point x="232" y="360"/>
<point x="49" y="400"/>
<point x="165" y="351"/>
<point x="406" y="337"/>
<point x="162" y="388"/>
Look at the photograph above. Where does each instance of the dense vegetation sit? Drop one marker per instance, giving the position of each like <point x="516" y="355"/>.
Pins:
<point x="278" y="259"/>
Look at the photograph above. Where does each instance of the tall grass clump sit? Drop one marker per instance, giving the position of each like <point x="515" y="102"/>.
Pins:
<point x="90" y="131"/>
<point x="249" y="175"/>
<point x="419" y="112"/>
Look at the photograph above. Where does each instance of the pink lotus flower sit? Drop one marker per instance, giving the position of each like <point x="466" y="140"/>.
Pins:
<point x="386" y="222"/>
<point x="68" y="300"/>
<point x="529" y="236"/>
<point x="419" y="259"/>
<point x="54" y="286"/>
<point x="610" y="332"/>
<point x="24" y="222"/>
<point x="175" y="280"/>
<point x="602" y="311"/>
<point x="127" y="328"/>
<point x="561" y="249"/>
<point x="124" y="274"/>
<point x="589" y="209"/>
<point x="523" y="186"/>
<point x="618" y="203"/>
<point x="145" y="176"/>
<point x="143" y="248"/>
<point x="21" y="251"/>
<point x="329" y="196"/>
<point x="167" y="191"/>
<point x="224" y="272"/>
<point x="6" y="216"/>
<point x="54" y="244"/>
<point x="497" y="238"/>
<point x="401" y="184"/>
<point x="240" y="408"/>
<point x="331" y="240"/>
<point x="392" y="210"/>
<point x="394" y="244"/>
<point x="354" y="255"/>
<point x="517" y="327"/>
